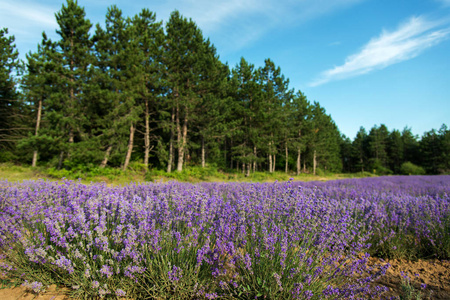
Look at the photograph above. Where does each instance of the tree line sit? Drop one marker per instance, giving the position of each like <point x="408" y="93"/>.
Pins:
<point x="133" y="90"/>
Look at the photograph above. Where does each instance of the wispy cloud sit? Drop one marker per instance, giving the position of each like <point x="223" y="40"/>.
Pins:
<point x="26" y="20"/>
<point x="444" y="2"/>
<point x="27" y="13"/>
<point x="408" y="41"/>
<point x="232" y="24"/>
<point x="238" y="23"/>
<point x="337" y="43"/>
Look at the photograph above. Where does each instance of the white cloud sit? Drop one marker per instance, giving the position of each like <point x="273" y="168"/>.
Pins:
<point x="29" y="14"/>
<point x="408" y="41"/>
<point x="237" y="23"/>
<point x="26" y="21"/>
<point x="337" y="43"/>
<point x="444" y="2"/>
<point x="232" y="24"/>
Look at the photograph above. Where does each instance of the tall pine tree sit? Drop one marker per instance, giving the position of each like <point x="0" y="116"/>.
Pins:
<point x="72" y="58"/>
<point x="11" y="129"/>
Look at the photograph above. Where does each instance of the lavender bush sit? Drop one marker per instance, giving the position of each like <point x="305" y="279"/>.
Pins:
<point x="287" y="240"/>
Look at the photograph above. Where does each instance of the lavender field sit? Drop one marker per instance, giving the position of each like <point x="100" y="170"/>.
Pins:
<point x="289" y="240"/>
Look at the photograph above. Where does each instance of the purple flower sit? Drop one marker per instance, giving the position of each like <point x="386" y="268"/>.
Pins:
<point x="120" y="293"/>
<point x="175" y="274"/>
<point x="35" y="286"/>
<point x="106" y="270"/>
<point x="308" y="294"/>
<point x="95" y="284"/>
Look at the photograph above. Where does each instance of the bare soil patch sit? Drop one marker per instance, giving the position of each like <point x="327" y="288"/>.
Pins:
<point x="21" y="293"/>
<point x="434" y="273"/>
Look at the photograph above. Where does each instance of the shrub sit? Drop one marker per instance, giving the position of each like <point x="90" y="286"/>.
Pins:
<point x="409" y="168"/>
<point x="7" y="156"/>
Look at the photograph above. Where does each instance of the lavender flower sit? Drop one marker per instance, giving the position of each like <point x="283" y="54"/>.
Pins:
<point x="309" y="235"/>
<point x="175" y="274"/>
<point x="95" y="284"/>
<point x="120" y="293"/>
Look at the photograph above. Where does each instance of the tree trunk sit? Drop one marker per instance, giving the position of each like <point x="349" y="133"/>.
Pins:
<point x="169" y="163"/>
<point x="71" y="140"/>
<point x="270" y="160"/>
<point x="203" y="153"/>
<point x="61" y="156"/>
<point x="225" y="152"/>
<point x="177" y="120"/>
<point x="72" y="105"/>
<point x="254" y="159"/>
<point x="299" y="153"/>
<point x="314" y="163"/>
<point x="130" y="147"/>
<point x="71" y="137"/>
<point x="35" y="156"/>
<point x="287" y="157"/>
<point x="182" y="138"/>
<point x="38" y="124"/>
<point x="105" y="159"/>
<point x="231" y="154"/>
<point x="249" y="166"/>
<point x="146" y="135"/>
<point x="274" y="162"/>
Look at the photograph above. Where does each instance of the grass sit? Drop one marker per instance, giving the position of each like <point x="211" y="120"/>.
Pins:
<point x="137" y="173"/>
<point x="16" y="173"/>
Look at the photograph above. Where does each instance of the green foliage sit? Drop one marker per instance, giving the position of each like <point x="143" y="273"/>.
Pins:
<point x="13" y="118"/>
<point x="134" y="92"/>
<point x="361" y="175"/>
<point x="378" y="168"/>
<point x="7" y="156"/>
<point x="84" y="171"/>
<point x="408" y="168"/>
<point x="188" y="174"/>
<point x="409" y="292"/>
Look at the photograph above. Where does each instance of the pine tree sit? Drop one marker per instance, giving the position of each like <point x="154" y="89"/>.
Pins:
<point x="346" y="154"/>
<point x="324" y="140"/>
<point x="109" y="44"/>
<point x="410" y="146"/>
<point x="360" y="151"/>
<point x="274" y="111"/>
<point x="300" y="108"/>
<point x="11" y="129"/>
<point x="434" y="150"/>
<point x="430" y="150"/>
<point x="444" y="165"/>
<point x="185" y="53"/>
<point x="378" y="142"/>
<point x="395" y="151"/>
<point x="148" y="37"/>
<point x="38" y="85"/>
<point x="245" y="108"/>
<point x="71" y="59"/>
<point x="212" y="112"/>
<point x="119" y="69"/>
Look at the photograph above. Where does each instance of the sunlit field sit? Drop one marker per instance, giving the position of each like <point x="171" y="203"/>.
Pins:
<point x="279" y="240"/>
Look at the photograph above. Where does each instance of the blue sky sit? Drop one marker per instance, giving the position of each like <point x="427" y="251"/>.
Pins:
<point x="368" y="62"/>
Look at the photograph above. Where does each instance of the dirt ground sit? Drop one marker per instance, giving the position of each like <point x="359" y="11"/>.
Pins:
<point x="21" y="293"/>
<point x="434" y="273"/>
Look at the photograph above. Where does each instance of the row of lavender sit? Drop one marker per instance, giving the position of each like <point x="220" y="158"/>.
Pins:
<point x="278" y="240"/>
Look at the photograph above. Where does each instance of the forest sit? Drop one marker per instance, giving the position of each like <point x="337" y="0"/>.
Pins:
<point x="133" y="90"/>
